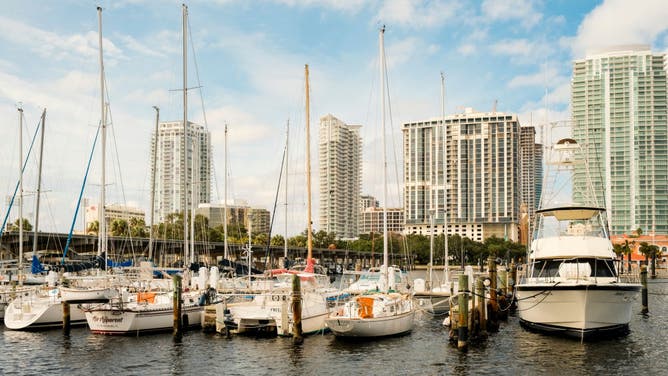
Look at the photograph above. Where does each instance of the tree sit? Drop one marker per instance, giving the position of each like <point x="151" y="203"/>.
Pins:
<point x="93" y="227"/>
<point x="15" y="226"/>
<point x="119" y="227"/>
<point x="650" y="251"/>
<point x="277" y="240"/>
<point x="138" y="228"/>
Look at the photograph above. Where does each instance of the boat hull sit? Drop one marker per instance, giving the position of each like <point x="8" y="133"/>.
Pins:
<point x="581" y="310"/>
<point x="436" y="303"/>
<point x="37" y="314"/>
<point x="138" y="320"/>
<point x="371" y="327"/>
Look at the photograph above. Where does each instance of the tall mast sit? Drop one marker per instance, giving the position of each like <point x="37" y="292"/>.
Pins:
<point x="39" y="184"/>
<point x="445" y="183"/>
<point x="194" y="186"/>
<point x="184" y="145"/>
<point x="382" y="101"/>
<point x="309" y="228"/>
<point x="287" y="149"/>
<point x="226" y="255"/>
<point x="155" y="172"/>
<point x="20" y="109"/>
<point x="102" y="231"/>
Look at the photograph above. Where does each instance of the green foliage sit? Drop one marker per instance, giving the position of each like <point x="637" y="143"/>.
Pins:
<point x="15" y="226"/>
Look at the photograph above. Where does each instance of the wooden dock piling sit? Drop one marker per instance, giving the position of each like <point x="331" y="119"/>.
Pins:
<point x="66" y="318"/>
<point x="643" y="281"/>
<point x="296" y="311"/>
<point x="462" y="337"/>
<point x="177" y="305"/>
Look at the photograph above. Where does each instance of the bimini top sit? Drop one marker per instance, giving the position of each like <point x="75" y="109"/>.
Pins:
<point x="565" y="213"/>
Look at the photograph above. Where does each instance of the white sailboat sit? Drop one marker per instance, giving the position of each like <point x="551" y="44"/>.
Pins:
<point x="384" y="313"/>
<point x="271" y="310"/>
<point x="150" y="310"/>
<point x="37" y="307"/>
<point x="571" y="285"/>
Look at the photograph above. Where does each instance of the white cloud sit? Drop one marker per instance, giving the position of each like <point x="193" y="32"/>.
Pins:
<point x="466" y="49"/>
<point x="50" y="45"/>
<point x="618" y="22"/>
<point x="503" y="10"/>
<point x="542" y="78"/>
<point x="341" y="5"/>
<point x="134" y="45"/>
<point x="417" y="14"/>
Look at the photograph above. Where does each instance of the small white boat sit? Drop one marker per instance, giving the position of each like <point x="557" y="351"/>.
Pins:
<point x="385" y="313"/>
<point x="373" y="315"/>
<point x="140" y="313"/>
<point x="40" y="308"/>
<point x="270" y="312"/>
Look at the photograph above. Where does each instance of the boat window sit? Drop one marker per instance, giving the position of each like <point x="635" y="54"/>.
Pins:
<point x="551" y="268"/>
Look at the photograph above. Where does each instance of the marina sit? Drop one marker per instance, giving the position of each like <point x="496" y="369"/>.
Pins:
<point x="425" y="351"/>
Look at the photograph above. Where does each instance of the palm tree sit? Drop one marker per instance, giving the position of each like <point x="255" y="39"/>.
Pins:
<point x="93" y="227"/>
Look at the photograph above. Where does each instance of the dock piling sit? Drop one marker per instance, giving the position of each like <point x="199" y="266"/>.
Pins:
<point x="643" y="281"/>
<point x="176" y="279"/>
<point x="462" y="337"/>
<point x="296" y="311"/>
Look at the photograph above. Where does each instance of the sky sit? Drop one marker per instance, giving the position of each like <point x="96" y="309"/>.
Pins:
<point x="246" y="70"/>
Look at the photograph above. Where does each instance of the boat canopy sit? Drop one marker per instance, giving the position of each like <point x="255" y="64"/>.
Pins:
<point x="566" y="213"/>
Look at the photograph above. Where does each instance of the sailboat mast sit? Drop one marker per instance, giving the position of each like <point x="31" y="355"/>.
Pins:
<point x="20" y="109"/>
<point x="444" y="135"/>
<point x="309" y="229"/>
<point x="102" y="228"/>
<point x="226" y="255"/>
<point x="287" y="150"/>
<point x="193" y="185"/>
<point x="385" y="203"/>
<point x="39" y="184"/>
<point x="155" y="172"/>
<point x="184" y="151"/>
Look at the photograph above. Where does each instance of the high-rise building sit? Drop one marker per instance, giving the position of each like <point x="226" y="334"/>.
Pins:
<point x="467" y="177"/>
<point x="256" y="220"/>
<point x="372" y="217"/>
<point x="531" y="170"/>
<point x="619" y="116"/>
<point x="170" y="167"/>
<point x="340" y="149"/>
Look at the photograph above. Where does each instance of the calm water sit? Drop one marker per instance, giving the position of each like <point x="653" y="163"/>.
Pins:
<point x="426" y="351"/>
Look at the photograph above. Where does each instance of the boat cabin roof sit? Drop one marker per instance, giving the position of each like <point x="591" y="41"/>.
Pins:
<point x="571" y="212"/>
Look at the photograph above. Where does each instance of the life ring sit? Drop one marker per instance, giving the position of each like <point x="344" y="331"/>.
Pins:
<point x="275" y="298"/>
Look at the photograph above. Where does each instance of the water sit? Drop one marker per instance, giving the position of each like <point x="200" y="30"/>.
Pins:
<point x="425" y="351"/>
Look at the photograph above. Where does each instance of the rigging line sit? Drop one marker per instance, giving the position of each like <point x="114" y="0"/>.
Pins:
<point x="118" y="162"/>
<point x="83" y="185"/>
<point x="201" y="98"/>
<point x="25" y="163"/>
<point x="273" y="214"/>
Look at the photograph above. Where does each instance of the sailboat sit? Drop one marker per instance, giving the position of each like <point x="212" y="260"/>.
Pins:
<point x="271" y="310"/>
<point x="38" y="307"/>
<point x="152" y="308"/>
<point x="571" y="285"/>
<point x="386" y="312"/>
<point x="431" y="297"/>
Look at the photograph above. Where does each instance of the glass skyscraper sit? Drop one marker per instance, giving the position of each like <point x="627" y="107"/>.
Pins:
<point x="618" y="99"/>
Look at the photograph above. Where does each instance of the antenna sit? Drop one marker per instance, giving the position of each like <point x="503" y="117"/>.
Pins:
<point x="496" y="101"/>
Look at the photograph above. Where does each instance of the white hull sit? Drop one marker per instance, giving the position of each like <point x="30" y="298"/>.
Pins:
<point x="141" y="317"/>
<point x="273" y="312"/>
<point x="576" y="309"/>
<point x="384" y="315"/>
<point x="371" y="327"/>
<point x="82" y="295"/>
<point x="437" y="303"/>
<point x="33" y="312"/>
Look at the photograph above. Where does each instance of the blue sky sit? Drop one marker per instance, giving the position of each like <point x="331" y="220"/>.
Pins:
<point x="250" y="59"/>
